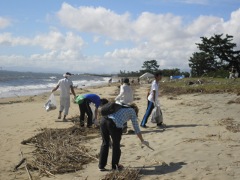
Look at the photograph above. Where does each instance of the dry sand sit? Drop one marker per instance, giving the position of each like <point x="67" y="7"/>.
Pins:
<point x="193" y="146"/>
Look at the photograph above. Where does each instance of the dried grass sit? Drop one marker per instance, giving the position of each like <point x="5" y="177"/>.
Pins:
<point x="230" y="125"/>
<point x="124" y="174"/>
<point x="61" y="151"/>
<point x="236" y="101"/>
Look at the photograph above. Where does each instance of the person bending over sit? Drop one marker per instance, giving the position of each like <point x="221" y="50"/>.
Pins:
<point x="85" y="108"/>
<point x="111" y="127"/>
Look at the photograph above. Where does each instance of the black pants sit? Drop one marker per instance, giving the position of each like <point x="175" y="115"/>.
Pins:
<point x="85" y="109"/>
<point x="109" y="129"/>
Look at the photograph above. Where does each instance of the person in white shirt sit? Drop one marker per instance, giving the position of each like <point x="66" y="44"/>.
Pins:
<point x="125" y="97"/>
<point x="152" y="98"/>
<point x="65" y="86"/>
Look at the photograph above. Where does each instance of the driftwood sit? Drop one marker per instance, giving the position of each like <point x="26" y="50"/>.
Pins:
<point x="25" y="165"/>
<point x="124" y="174"/>
<point x="61" y="151"/>
<point x="19" y="164"/>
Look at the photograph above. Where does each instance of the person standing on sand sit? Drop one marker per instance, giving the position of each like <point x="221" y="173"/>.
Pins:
<point x="84" y="108"/>
<point x="65" y="85"/>
<point x="152" y="99"/>
<point x="125" y="97"/>
<point x="111" y="126"/>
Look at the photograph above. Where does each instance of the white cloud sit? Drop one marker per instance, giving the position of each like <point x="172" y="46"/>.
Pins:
<point x="201" y="2"/>
<point x="4" y="22"/>
<point x="55" y="40"/>
<point x="163" y="37"/>
<point x="95" y="20"/>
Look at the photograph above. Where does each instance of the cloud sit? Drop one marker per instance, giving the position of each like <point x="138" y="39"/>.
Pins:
<point x="4" y="22"/>
<point x="201" y="2"/>
<point x="97" y="20"/>
<point x="55" y="40"/>
<point x="126" y="41"/>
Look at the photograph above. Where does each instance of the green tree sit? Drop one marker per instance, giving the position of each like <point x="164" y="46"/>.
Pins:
<point x="150" y="66"/>
<point x="215" y="53"/>
<point x="201" y="63"/>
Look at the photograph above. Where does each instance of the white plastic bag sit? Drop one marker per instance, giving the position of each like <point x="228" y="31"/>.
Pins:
<point x="157" y="115"/>
<point x="94" y="120"/>
<point x="51" y="103"/>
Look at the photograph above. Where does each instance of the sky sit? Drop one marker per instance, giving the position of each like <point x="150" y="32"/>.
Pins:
<point x="106" y="36"/>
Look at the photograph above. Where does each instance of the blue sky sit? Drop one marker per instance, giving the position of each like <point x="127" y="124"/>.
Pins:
<point x="106" y="36"/>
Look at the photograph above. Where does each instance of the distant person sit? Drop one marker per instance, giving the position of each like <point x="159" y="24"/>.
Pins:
<point x="111" y="128"/>
<point x="65" y="85"/>
<point x="232" y="73"/>
<point x="110" y="80"/>
<point x="125" y="97"/>
<point x="152" y="99"/>
<point x="85" y="108"/>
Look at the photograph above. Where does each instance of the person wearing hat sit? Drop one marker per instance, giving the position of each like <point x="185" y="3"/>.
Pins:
<point x="65" y="86"/>
<point x="125" y="97"/>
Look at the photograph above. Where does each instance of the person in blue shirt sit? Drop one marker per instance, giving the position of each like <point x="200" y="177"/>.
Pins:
<point x="85" y="108"/>
<point x="111" y="127"/>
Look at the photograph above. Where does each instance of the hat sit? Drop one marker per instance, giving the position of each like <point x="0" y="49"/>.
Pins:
<point x="126" y="80"/>
<point x="67" y="74"/>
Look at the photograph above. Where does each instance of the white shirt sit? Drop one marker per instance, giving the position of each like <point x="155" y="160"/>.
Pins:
<point x="126" y="95"/>
<point x="64" y="85"/>
<point x="154" y="87"/>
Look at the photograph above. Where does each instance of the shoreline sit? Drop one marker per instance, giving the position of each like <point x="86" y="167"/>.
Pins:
<point x="195" y="145"/>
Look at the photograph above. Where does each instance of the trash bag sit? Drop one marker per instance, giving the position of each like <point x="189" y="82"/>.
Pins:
<point x="51" y="104"/>
<point x="157" y="116"/>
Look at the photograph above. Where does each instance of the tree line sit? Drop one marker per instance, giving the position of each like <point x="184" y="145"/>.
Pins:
<point x="216" y="56"/>
<point x="152" y="66"/>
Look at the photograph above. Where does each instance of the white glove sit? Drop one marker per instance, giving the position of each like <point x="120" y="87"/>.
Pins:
<point x="146" y="143"/>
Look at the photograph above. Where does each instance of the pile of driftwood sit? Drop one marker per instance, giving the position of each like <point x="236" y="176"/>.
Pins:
<point x="127" y="173"/>
<point x="61" y="150"/>
<point x="230" y="124"/>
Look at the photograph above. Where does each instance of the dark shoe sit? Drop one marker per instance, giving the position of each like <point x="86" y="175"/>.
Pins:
<point x="144" y="126"/>
<point x="102" y="169"/>
<point x="82" y="124"/>
<point x="124" y="130"/>
<point x="159" y="124"/>
<point x="119" y="167"/>
<point x="89" y="126"/>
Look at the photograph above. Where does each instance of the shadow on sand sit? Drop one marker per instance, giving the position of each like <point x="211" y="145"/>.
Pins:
<point x="168" y="127"/>
<point x="162" y="169"/>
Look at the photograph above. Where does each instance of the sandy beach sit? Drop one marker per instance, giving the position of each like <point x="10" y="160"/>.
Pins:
<point x="196" y="144"/>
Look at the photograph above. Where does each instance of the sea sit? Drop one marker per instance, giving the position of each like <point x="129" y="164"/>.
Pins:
<point x="15" y="84"/>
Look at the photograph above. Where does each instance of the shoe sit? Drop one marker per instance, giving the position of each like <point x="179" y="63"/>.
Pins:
<point x="89" y="126"/>
<point x="124" y="130"/>
<point x="102" y="169"/>
<point x="144" y="126"/>
<point x="119" y="167"/>
<point x="65" y="120"/>
<point x="161" y="125"/>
